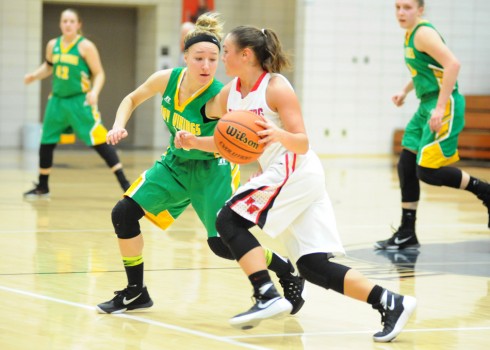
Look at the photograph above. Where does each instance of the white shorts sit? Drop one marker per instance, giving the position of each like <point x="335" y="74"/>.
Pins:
<point x="290" y="199"/>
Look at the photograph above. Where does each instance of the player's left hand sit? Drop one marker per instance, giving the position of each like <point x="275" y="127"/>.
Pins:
<point x="271" y="133"/>
<point x="435" y="121"/>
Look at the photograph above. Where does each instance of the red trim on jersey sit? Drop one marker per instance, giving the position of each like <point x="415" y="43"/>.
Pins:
<point x="290" y="165"/>
<point x="273" y="197"/>
<point x="256" y="85"/>
<point x="244" y="199"/>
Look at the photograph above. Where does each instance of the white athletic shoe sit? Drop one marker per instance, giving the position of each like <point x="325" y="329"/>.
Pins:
<point x="268" y="304"/>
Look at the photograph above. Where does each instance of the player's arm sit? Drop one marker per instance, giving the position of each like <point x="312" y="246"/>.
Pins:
<point x="282" y="98"/>
<point x="215" y="109"/>
<point x="155" y="84"/>
<point x="429" y="41"/>
<point x="45" y="69"/>
<point x="90" y="54"/>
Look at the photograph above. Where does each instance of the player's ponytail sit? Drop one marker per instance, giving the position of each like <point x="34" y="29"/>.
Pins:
<point x="266" y="46"/>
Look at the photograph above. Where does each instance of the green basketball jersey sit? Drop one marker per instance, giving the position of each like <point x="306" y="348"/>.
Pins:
<point x="71" y="74"/>
<point x="188" y="115"/>
<point x="427" y="73"/>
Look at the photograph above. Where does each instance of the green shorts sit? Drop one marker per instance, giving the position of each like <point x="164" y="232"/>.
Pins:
<point x="65" y="112"/>
<point x="165" y="190"/>
<point x="435" y="150"/>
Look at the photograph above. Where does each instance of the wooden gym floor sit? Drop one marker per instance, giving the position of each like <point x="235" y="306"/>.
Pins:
<point x="60" y="258"/>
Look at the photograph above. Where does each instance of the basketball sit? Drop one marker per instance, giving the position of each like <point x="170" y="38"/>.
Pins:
<point x="236" y="137"/>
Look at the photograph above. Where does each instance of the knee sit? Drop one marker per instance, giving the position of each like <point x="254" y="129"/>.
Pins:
<point x="318" y="269"/>
<point x="429" y="176"/>
<point x="108" y="153"/>
<point x="219" y="248"/>
<point x="224" y="223"/>
<point x="125" y="218"/>
<point x="46" y="155"/>
<point x="310" y="266"/>
<point x="406" y="166"/>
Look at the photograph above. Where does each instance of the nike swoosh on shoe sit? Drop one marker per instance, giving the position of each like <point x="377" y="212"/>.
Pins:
<point x="127" y="302"/>
<point x="265" y="305"/>
<point x="403" y="240"/>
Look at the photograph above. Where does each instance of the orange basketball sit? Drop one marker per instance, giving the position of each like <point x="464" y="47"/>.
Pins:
<point x="236" y="137"/>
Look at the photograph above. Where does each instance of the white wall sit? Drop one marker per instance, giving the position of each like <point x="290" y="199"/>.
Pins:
<point x="340" y="92"/>
<point x="21" y="50"/>
<point x="20" y="42"/>
<point x="352" y="62"/>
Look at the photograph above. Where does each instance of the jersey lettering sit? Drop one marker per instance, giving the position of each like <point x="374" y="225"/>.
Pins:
<point x="180" y="123"/>
<point x="258" y="111"/>
<point x="66" y="58"/>
<point x="63" y="72"/>
<point x="409" y="53"/>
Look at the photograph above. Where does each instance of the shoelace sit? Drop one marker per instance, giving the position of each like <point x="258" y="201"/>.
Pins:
<point x="382" y="311"/>
<point x="121" y="293"/>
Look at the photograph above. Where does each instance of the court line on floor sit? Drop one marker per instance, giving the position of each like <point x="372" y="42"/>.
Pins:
<point x="91" y="230"/>
<point x="227" y="340"/>
<point x="312" y="334"/>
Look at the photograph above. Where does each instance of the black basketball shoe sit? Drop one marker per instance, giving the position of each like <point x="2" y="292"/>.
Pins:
<point x="130" y="298"/>
<point x="293" y="286"/>
<point x="394" y="315"/>
<point x="37" y="192"/>
<point x="402" y="239"/>
<point x="485" y="198"/>
<point x="268" y="304"/>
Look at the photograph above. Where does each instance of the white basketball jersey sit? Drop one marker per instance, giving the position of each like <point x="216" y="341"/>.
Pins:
<point x="288" y="198"/>
<point x="256" y="102"/>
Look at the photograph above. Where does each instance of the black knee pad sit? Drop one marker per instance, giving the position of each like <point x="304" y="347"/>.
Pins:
<point x="220" y="248"/>
<point x="429" y="176"/>
<point x="228" y="223"/>
<point x="46" y="155"/>
<point x="445" y="176"/>
<point x="407" y="175"/>
<point x="125" y="218"/>
<point x="108" y="153"/>
<point x="234" y="232"/>
<point x="318" y="269"/>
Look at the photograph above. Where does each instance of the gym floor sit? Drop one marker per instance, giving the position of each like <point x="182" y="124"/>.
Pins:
<point x="60" y="259"/>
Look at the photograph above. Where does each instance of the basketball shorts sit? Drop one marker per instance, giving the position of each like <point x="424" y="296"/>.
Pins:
<point x="65" y="112"/>
<point x="289" y="200"/>
<point x="435" y="150"/>
<point x="165" y="190"/>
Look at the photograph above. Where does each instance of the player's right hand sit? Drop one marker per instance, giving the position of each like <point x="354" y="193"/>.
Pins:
<point x="115" y="135"/>
<point x="399" y="98"/>
<point x="29" y="78"/>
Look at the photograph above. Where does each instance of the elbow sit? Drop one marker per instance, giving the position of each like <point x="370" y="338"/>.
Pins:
<point x="456" y="65"/>
<point x="304" y="148"/>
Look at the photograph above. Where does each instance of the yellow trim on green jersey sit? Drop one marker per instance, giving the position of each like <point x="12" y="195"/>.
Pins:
<point x="180" y="107"/>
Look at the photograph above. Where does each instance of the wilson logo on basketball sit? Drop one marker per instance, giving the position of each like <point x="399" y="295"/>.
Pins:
<point x="241" y="136"/>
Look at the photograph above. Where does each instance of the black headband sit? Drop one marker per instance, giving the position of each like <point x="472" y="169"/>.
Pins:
<point x="199" y="38"/>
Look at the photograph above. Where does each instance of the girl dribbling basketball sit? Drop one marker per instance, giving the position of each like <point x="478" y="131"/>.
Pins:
<point x="287" y="198"/>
